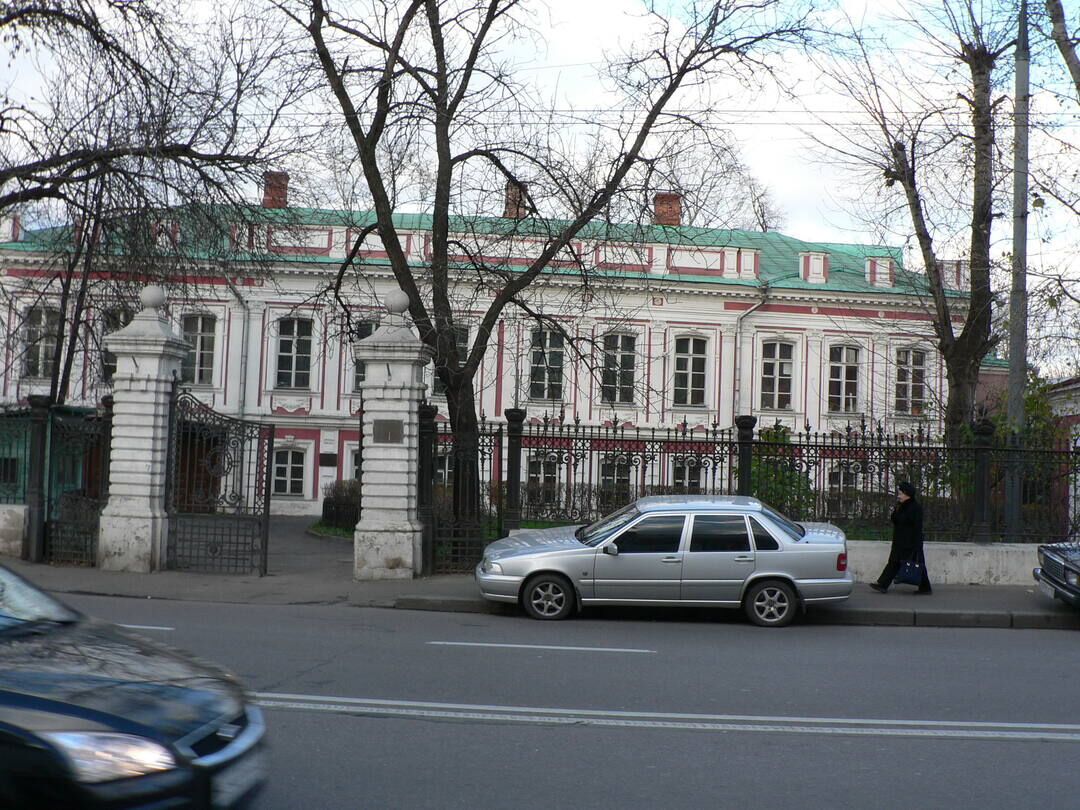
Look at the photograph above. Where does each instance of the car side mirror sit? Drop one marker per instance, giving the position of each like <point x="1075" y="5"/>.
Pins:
<point x="611" y="549"/>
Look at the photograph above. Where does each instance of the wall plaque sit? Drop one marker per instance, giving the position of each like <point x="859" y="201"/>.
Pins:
<point x="388" y="431"/>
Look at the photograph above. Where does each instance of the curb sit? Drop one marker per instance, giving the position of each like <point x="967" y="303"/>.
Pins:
<point x="866" y="617"/>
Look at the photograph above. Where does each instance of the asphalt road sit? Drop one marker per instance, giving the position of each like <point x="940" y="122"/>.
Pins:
<point x="377" y="708"/>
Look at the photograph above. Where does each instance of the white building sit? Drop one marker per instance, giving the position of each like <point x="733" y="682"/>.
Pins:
<point x="682" y="324"/>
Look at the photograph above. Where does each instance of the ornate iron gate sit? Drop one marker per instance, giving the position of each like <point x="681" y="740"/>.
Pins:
<point x="218" y="491"/>
<point x="77" y="483"/>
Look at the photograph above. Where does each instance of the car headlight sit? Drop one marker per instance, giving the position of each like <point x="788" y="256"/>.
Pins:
<point x="102" y="756"/>
<point x="1072" y="577"/>
<point x="1042" y="558"/>
<point x="491" y="567"/>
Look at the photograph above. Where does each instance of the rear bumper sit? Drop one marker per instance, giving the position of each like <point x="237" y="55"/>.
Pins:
<point x="817" y="591"/>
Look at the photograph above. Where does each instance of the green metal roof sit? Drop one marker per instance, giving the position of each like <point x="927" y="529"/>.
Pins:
<point x="779" y="254"/>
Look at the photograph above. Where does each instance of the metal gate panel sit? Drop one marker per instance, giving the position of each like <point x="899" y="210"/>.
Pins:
<point x="218" y="491"/>
<point x="77" y="483"/>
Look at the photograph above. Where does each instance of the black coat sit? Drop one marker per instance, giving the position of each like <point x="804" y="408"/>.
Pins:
<point x="907" y="526"/>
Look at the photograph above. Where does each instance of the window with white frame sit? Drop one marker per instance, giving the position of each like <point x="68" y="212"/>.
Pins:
<point x="461" y="343"/>
<point x="545" y="378"/>
<point x="357" y="462"/>
<point x="842" y="477"/>
<point x="910" y="382"/>
<point x="444" y="468"/>
<point x="363" y="330"/>
<point x="112" y="320"/>
<point x="199" y="333"/>
<point x="543" y="478"/>
<point x="843" y="379"/>
<point x="686" y="475"/>
<point x="617" y="375"/>
<point x="42" y="333"/>
<point x="689" y="382"/>
<point x="289" y="472"/>
<point x="294" y="353"/>
<point x="776" y="370"/>
<point x="614" y="483"/>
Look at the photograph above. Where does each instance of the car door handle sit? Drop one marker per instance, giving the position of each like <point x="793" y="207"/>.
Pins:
<point x="743" y="558"/>
<point x="671" y="559"/>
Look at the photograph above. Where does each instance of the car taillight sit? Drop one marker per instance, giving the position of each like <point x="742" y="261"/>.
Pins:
<point x="841" y="561"/>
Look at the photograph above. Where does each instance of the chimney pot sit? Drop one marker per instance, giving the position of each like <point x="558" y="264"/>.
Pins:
<point x="275" y="190"/>
<point x="667" y="208"/>
<point x="514" y="206"/>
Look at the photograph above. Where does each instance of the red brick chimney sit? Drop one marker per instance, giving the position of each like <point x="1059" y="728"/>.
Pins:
<point x="275" y="190"/>
<point x="514" y="206"/>
<point x="667" y="208"/>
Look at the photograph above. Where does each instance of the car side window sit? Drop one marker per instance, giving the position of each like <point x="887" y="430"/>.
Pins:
<point x="657" y="534"/>
<point x="763" y="540"/>
<point x="719" y="533"/>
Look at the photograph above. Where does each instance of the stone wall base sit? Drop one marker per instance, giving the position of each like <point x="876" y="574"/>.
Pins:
<point x="388" y="552"/>
<point x="133" y="543"/>
<point x="12" y="529"/>
<point x="954" y="563"/>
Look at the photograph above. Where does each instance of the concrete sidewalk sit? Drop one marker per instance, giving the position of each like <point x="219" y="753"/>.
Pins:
<point x="306" y="569"/>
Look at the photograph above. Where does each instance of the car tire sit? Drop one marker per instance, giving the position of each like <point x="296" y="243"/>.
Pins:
<point x="549" y="597"/>
<point x="771" y="603"/>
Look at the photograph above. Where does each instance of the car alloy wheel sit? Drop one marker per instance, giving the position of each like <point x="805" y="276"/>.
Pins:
<point x="549" y="597"/>
<point x="770" y="604"/>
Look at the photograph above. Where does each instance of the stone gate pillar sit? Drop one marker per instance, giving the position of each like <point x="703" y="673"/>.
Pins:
<point x="133" y="523"/>
<point x="388" y="540"/>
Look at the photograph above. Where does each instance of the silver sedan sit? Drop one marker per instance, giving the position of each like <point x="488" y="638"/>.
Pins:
<point x="721" y="551"/>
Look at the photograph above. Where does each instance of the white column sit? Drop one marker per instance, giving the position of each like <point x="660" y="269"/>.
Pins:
<point x="134" y="526"/>
<point x="386" y="544"/>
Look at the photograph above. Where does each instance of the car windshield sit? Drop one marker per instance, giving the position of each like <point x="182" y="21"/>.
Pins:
<point x="596" y="533"/>
<point x="789" y="525"/>
<point x="21" y="602"/>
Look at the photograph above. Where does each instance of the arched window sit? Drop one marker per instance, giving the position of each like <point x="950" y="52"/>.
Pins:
<point x="293" y="353"/>
<point x="843" y="379"/>
<point x="690" y="364"/>
<point x="198" y="366"/>
<point x="776" y="375"/>
<point x="910" y="382"/>
<point x="617" y="375"/>
<point x="42" y="337"/>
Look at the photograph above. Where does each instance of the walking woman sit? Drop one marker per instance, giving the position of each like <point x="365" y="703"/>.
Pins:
<point x="907" y="541"/>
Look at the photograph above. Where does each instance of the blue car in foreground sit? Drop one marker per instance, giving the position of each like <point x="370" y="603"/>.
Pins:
<point x="95" y="716"/>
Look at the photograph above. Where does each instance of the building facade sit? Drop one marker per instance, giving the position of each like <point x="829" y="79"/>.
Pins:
<point x="676" y="326"/>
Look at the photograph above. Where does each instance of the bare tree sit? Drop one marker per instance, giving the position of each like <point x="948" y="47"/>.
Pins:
<point x="930" y="163"/>
<point x="431" y="83"/>
<point x="127" y="156"/>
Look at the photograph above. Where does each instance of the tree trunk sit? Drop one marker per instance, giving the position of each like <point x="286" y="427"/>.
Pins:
<point x="461" y="401"/>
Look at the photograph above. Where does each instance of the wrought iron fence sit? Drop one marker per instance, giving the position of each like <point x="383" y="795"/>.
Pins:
<point x="14" y="456"/>
<point x="574" y="473"/>
<point x="77" y="483"/>
<point x="543" y="472"/>
<point x="456" y="545"/>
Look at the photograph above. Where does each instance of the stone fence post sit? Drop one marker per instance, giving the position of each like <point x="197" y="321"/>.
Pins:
<point x="134" y="526"/>
<point x="388" y="542"/>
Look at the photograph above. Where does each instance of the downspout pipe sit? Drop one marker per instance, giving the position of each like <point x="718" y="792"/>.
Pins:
<point x="737" y="382"/>
<point x="241" y="403"/>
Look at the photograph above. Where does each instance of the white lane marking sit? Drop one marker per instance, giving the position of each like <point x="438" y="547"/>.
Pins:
<point x="793" y="725"/>
<point x="146" y="627"/>
<point x="537" y="647"/>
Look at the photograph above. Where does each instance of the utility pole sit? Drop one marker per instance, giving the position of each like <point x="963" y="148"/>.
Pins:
<point x="1018" y="296"/>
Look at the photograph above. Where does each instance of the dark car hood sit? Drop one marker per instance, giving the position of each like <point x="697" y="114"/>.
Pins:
<point x="90" y="668"/>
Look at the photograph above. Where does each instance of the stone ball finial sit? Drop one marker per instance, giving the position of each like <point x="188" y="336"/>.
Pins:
<point x="152" y="296"/>
<point x="396" y="302"/>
